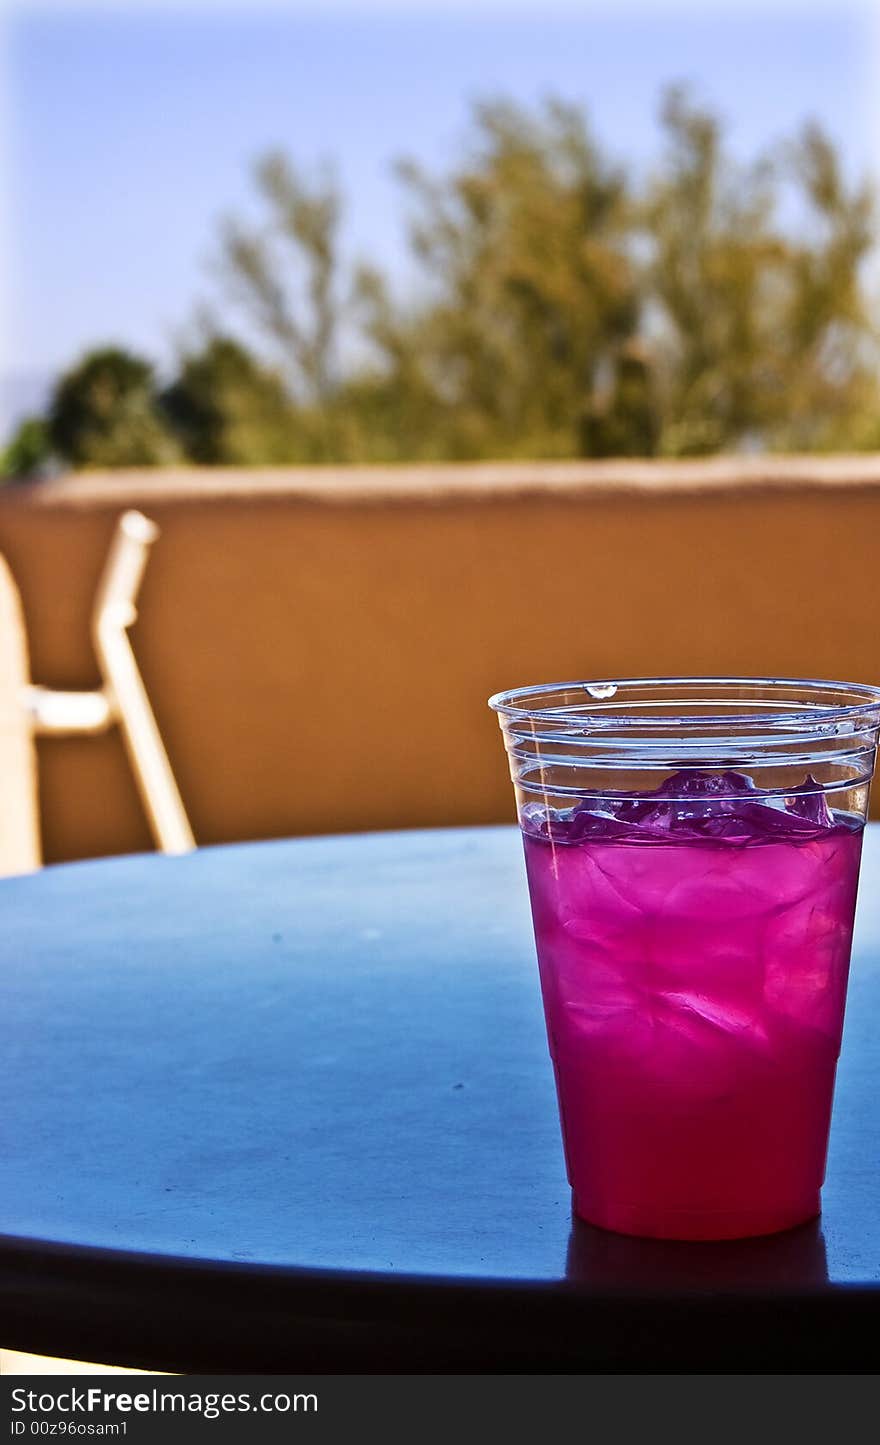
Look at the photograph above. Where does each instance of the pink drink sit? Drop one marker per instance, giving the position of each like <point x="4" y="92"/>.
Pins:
<point x="693" y="948"/>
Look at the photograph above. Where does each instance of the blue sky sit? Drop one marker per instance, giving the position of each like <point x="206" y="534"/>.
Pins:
<point x="130" y="132"/>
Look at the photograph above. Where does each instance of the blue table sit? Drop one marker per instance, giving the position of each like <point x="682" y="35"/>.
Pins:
<point x="288" y="1107"/>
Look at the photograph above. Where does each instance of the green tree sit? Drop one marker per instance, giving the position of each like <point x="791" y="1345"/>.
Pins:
<point x="227" y="409"/>
<point x="832" y="334"/>
<point x="28" y="452"/>
<point x="104" y="413"/>
<point x="284" y="272"/>
<point x="624" y="418"/>
<point x="533" y="293"/>
<point x="762" y="338"/>
<point x="718" y="262"/>
<point x="563" y="311"/>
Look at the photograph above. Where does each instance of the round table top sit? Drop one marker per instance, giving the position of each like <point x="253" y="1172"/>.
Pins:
<point x="291" y="1102"/>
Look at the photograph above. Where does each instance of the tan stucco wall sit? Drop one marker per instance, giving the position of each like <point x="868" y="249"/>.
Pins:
<point x="319" y="646"/>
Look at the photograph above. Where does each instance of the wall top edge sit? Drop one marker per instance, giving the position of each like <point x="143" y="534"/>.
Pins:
<point x="577" y="480"/>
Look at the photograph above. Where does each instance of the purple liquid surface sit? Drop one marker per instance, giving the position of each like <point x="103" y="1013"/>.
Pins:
<point x="694" y="945"/>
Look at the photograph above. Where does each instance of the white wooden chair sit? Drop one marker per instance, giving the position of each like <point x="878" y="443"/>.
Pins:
<point x="27" y="710"/>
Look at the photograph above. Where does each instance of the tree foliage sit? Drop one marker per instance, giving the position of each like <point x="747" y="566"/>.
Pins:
<point x="104" y="414"/>
<point x="285" y="272"/>
<point x="28" y="454"/>
<point x="227" y="410"/>
<point x="766" y="337"/>
<point x="532" y="290"/>
<point x="564" y="309"/>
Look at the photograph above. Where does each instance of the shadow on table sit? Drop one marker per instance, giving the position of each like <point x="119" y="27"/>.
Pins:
<point x="605" y="1261"/>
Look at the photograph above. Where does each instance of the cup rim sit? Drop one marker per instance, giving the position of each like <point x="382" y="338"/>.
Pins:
<point x="602" y="715"/>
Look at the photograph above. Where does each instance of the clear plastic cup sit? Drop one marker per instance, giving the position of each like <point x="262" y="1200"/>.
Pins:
<point x="692" y="848"/>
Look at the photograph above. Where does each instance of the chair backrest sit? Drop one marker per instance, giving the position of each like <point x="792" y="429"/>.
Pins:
<point x="19" y="816"/>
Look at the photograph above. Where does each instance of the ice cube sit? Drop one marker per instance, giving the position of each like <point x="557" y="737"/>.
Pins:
<point x="693" y="803"/>
<point x="807" y="802"/>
